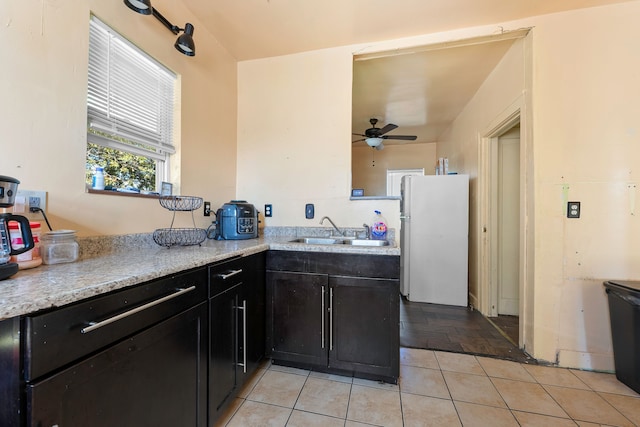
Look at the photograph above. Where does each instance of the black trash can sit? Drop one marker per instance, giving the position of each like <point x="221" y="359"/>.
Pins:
<point x="624" y="310"/>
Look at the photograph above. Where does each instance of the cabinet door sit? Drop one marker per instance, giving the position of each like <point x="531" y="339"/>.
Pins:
<point x="364" y="326"/>
<point x="223" y="347"/>
<point x="153" y="378"/>
<point x="251" y="339"/>
<point x="296" y="325"/>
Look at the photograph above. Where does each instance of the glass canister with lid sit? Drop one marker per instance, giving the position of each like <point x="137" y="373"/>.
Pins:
<point x="59" y="246"/>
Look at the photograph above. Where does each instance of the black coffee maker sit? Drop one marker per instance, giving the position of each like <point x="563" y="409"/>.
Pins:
<point x="8" y="190"/>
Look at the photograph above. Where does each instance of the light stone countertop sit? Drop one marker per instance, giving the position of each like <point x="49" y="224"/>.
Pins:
<point x="47" y="286"/>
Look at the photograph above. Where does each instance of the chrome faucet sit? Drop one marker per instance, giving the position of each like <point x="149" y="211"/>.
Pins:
<point x="334" y="226"/>
<point x="367" y="231"/>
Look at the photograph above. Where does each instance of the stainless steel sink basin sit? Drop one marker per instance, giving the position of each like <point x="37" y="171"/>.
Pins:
<point x="340" y="241"/>
<point x="366" y="242"/>
<point x="318" y="240"/>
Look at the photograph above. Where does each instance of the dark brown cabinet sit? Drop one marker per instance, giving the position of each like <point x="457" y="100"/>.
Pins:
<point x="236" y="341"/>
<point x="297" y="319"/>
<point x="334" y="312"/>
<point x="365" y="326"/>
<point x="171" y="351"/>
<point x="133" y="357"/>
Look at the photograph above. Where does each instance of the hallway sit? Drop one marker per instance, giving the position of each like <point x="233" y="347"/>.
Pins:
<point x="459" y="330"/>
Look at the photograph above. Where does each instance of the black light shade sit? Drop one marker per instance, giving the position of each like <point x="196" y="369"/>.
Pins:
<point x="140" y="6"/>
<point x="184" y="43"/>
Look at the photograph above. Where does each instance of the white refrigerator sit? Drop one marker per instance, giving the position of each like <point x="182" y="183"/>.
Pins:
<point x="434" y="239"/>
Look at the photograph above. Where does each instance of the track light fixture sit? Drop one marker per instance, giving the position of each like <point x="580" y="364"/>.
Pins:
<point x="184" y="43"/>
<point x="140" y="6"/>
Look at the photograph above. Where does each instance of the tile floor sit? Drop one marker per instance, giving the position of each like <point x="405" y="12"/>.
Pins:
<point x="437" y="389"/>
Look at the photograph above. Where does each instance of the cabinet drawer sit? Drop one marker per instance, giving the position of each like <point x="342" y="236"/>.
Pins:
<point x="57" y="338"/>
<point x="226" y="275"/>
<point x="355" y="265"/>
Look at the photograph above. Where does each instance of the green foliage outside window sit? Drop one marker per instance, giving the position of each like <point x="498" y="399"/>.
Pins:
<point x="121" y="169"/>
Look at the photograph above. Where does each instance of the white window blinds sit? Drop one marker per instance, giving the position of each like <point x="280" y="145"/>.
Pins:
<point x="130" y="96"/>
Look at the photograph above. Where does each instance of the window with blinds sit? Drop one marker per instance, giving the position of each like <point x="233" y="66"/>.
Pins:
<point x="130" y="112"/>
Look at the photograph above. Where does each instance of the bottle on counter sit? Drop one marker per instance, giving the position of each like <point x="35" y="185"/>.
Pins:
<point x="97" y="182"/>
<point x="378" y="227"/>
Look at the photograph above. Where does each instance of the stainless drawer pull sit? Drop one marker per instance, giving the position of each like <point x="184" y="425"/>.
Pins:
<point x="330" y="319"/>
<point x="322" y="316"/>
<point x="232" y="273"/>
<point x="244" y="336"/>
<point x="96" y="325"/>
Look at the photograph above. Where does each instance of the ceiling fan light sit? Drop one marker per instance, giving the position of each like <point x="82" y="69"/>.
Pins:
<point x="379" y="147"/>
<point x="373" y="142"/>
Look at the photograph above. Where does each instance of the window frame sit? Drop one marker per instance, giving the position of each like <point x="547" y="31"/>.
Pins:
<point x="131" y="116"/>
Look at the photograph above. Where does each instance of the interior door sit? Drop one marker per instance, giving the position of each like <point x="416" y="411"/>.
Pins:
<point x="509" y="222"/>
<point x="394" y="178"/>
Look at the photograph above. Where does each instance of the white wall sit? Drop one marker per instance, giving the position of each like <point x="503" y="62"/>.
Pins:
<point x="43" y="82"/>
<point x="369" y="166"/>
<point x="294" y="144"/>
<point x="586" y="148"/>
<point x="503" y="88"/>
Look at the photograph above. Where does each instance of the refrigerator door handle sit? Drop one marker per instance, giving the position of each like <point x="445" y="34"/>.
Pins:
<point x="405" y="216"/>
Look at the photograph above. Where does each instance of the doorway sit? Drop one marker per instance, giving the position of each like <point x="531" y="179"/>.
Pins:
<point x="394" y="179"/>
<point x="501" y="233"/>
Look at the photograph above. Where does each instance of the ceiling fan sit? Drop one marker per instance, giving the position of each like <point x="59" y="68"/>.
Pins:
<point x="374" y="136"/>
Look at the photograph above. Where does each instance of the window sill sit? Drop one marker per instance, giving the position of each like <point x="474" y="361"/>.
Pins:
<point x="123" y="193"/>
<point x="375" y="198"/>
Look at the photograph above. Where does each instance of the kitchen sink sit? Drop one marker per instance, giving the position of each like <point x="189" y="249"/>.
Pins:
<point x="318" y="241"/>
<point x="340" y="241"/>
<point x="366" y="242"/>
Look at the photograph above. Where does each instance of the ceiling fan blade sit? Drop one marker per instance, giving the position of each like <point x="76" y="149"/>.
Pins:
<point x="387" y="128"/>
<point x="357" y="140"/>
<point x="359" y="134"/>
<point x="402" y="137"/>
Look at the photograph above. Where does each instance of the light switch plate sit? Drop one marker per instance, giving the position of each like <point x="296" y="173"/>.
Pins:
<point x="309" y="211"/>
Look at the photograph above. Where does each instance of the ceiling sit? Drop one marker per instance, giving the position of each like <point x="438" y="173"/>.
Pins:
<point x="420" y="92"/>
<point x="251" y="29"/>
<point x="423" y="91"/>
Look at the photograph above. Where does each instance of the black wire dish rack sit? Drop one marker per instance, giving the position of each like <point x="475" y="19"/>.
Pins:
<point x="180" y="236"/>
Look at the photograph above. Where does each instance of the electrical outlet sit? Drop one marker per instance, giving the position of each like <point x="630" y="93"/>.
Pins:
<point x="268" y="211"/>
<point x="207" y="208"/>
<point x="30" y="199"/>
<point x="34" y="202"/>
<point x="573" y="210"/>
